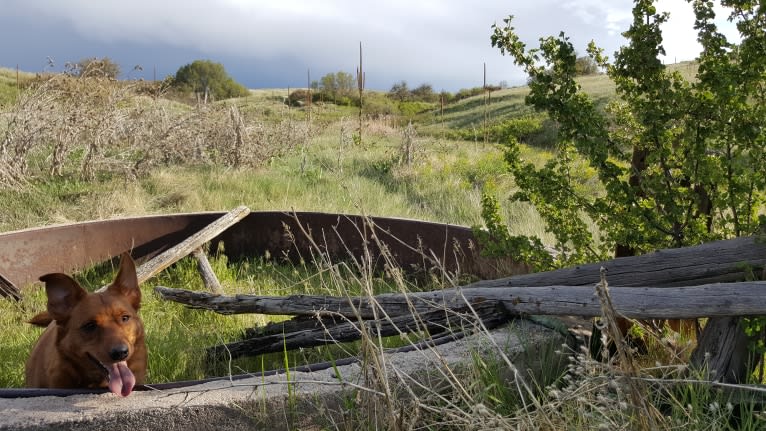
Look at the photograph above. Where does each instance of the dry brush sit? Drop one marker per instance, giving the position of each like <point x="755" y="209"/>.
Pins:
<point x="63" y="125"/>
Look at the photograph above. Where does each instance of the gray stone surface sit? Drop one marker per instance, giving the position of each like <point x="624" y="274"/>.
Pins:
<point x="219" y="405"/>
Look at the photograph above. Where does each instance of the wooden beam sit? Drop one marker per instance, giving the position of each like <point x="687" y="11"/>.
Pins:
<point x="434" y="321"/>
<point x="712" y="300"/>
<point x="179" y="251"/>
<point x="8" y="289"/>
<point x="724" y="261"/>
<point x="206" y="271"/>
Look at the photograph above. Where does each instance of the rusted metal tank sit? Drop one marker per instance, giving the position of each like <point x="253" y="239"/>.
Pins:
<point x="416" y="246"/>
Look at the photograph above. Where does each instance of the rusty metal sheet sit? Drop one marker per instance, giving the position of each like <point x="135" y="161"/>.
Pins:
<point x="27" y="254"/>
<point x="412" y="244"/>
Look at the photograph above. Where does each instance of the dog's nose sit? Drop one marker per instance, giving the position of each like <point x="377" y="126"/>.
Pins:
<point x="118" y="353"/>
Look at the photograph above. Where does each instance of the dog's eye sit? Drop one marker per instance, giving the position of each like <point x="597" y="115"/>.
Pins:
<point x="125" y="317"/>
<point x="89" y="326"/>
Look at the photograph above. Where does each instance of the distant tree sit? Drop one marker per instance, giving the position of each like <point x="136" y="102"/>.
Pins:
<point x="208" y="80"/>
<point x="329" y="85"/>
<point x="424" y="93"/>
<point x="399" y="91"/>
<point x="585" y="66"/>
<point x="297" y="97"/>
<point x="97" y="68"/>
<point x="346" y="84"/>
<point x="338" y="85"/>
<point x="446" y="97"/>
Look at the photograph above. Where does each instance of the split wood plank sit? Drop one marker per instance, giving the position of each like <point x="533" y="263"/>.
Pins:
<point x="9" y="289"/>
<point x="723" y="261"/>
<point x="710" y="300"/>
<point x="434" y="321"/>
<point x="179" y="251"/>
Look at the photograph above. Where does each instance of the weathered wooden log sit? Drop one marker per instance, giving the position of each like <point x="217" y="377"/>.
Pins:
<point x="296" y="324"/>
<point x="713" y="262"/>
<point x="724" y="355"/>
<point x="179" y="251"/>
<point x="711" y="300"/>
<point x="209" y="278"/>
<point x="730" y="260"/>
<point x="434" y="321"/>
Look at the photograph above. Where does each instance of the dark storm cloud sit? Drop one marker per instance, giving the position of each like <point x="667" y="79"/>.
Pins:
<point x="273" y="44"/>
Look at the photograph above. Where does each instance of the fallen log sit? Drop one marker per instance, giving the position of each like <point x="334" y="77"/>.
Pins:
<point x="711" y="300"/>
<point x="429" y="322"/>
<point x="715" y="262"/>
<point x="730" y="260"/>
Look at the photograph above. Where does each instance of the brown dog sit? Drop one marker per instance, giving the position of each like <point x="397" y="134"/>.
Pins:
<point x="92" y="340"/>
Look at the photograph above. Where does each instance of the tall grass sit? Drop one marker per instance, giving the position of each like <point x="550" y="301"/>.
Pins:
<point x="443" y="181"/>
<point x="11" y="81"/>
<point x="443" y="184"/>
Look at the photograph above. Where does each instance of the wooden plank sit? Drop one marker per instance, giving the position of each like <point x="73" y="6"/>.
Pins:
<point x="209" y="278"/>
<point x="723" y="353"/>
<point x="8" y="289"/>
<point x="434" y="321"/>
<point x="712" y="300"/>
<point x="179" y="251"/>
<point x="714" y="262"/>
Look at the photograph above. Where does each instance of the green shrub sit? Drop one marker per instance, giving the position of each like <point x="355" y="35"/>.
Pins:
<point x="410" y="109"/>
<point x="376" y="105"/>
<point x="208" y="79"/>
<point x="496" y="241"/>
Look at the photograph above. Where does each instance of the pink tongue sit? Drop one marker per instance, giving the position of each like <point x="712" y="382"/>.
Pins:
<point x="121" y="379"/>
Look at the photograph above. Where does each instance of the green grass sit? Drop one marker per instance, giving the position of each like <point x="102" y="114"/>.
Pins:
<point x="9" y="85"/>
<point x="443" y="184"/>
<point x="177" y="337"/>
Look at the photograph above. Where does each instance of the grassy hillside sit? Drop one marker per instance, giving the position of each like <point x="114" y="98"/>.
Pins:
<point x="469" y="114"/>
<point x="9" y="84"/>
<point x="324" y="170"/>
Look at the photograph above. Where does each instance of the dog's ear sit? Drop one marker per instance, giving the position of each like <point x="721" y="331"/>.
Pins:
<point x="42" y="319"/>
<point x="63" y="294"/>
<point x="126" y="282"/>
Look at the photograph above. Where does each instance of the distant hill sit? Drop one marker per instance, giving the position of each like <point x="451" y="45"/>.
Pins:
<point x="509" y="103"/>
<point x="8" y="84"/>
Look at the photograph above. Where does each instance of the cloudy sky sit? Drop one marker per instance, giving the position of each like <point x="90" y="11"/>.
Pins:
<point x="271" y="43"/>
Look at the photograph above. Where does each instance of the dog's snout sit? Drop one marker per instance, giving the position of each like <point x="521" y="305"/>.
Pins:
<point x="119" y="353"/>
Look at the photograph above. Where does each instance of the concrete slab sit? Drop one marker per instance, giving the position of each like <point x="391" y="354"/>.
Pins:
<point x="228" y="404"/>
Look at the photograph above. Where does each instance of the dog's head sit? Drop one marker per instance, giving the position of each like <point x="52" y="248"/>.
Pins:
<point x="100" y="331"/>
